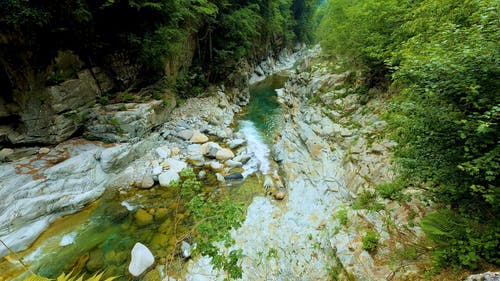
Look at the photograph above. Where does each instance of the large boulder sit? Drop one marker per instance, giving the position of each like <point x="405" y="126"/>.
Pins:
<point x="123" y="122"/>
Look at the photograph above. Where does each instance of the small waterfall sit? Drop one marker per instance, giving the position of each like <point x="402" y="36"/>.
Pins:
<point x="256" y="148"/>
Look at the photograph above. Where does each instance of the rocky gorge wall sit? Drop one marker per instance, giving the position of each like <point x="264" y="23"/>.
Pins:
<point x="331" y="151"/>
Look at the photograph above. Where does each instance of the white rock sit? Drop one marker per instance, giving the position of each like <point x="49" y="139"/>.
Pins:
<point x="129" y="206"/>
<point x="168" y="177"/>
<point x="176" y="165"/>
<point x="185" y="249"/>
<point x="163" y="152"/>
<point x="233" y="164"/>
<point x="141" y="260"/>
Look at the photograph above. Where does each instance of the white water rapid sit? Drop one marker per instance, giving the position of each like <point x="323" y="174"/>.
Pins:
<point x="259" y="162"/>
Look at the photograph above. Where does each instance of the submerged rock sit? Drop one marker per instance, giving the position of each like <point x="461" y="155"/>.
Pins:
<point x="141" y="260"/>
<point x="143" y="218"/>
<point x="280" y="195"/>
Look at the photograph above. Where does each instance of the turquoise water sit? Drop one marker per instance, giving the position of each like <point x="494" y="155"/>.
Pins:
<point x="263" y="109"/>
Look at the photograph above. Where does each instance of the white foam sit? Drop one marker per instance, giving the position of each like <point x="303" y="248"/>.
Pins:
<point x="129" y="206"/>
<point x="255" y="147"/>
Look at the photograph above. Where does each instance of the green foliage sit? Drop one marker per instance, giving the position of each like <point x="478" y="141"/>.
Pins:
<point x="212" y="219"/>
<point x="443" y="55"/>
<point x="367" y="200"/>
<point x="365" y="31"/>
<point x="191" y="84"/>
<point x="391" y="190"/>
<point x="370" y="240"/>
<point x="342" y="216"/>
<point x="127" y="97"/>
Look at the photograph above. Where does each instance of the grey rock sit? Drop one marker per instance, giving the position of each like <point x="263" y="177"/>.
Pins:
<point x="185" y="134"/>
<point x="235" y="143"/>
<point x="210" y="149"/>
<point x="112" y="124"/>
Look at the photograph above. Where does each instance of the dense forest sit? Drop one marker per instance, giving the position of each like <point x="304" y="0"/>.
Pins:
<point x="143" y="35"/>
<point x="441" y="58"/>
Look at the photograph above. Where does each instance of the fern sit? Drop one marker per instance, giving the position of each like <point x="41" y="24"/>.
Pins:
<point x="462" y="241"/>
<point x="442" y="226"/>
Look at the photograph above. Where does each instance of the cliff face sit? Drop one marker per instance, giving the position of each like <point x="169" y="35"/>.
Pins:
<point x="32" y="112"/>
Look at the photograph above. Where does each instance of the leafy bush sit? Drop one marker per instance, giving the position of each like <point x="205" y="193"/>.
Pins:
<point x="212" y="221"/>
<point x="370" y="241"/>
